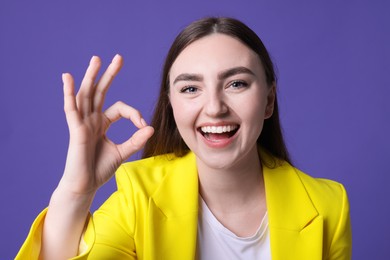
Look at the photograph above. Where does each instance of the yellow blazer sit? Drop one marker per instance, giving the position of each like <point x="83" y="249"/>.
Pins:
<point x="154" y="214"/>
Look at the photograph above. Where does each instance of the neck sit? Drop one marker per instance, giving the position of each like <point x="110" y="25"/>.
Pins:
<point x="235" y="188"/>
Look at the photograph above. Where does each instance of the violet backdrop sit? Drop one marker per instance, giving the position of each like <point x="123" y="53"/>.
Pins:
<point x="333" y="63"/>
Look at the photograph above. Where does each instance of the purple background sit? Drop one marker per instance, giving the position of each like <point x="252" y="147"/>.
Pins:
<point x="333" y="64"/>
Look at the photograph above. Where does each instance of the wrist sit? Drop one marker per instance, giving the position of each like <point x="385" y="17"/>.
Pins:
<point x="65" y="195"/>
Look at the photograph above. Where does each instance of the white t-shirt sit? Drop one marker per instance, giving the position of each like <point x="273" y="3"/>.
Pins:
<point x="217" y="242"/>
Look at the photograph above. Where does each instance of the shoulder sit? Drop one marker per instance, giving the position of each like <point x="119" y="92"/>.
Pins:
<point x="296" y="201"/>
<point x="331" y="202"/>
<point x="328" y="198"/>
<point x="147" y="174"/>
<point x="286" y="183"/>
<point x="325" y="193"/>
<point x="282" y="175"/>
<point x="320" y="187"/>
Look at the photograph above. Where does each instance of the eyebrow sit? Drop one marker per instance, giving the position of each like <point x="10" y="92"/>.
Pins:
<point x="188" y="77"/>
<point x="234" y="71"/>
<point x="223" y="75"/>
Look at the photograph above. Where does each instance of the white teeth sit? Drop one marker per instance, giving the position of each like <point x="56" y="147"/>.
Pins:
<point x="218" y="129"/>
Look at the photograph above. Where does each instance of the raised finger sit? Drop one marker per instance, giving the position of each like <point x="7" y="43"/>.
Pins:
<point x="121" y="110"/>
<point x="105" y="82"/>
<point x="85" y="95"/>
<point x="70" y="105"/>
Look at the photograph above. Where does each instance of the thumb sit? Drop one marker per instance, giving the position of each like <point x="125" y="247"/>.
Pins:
<point x="135" y="142"/>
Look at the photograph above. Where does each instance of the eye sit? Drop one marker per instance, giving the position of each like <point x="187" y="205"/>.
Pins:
<point x="238" y="84"/>
<point x="189" y="89"/>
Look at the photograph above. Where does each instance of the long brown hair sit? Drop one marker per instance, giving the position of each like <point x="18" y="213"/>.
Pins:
<point x="167" y="138"/>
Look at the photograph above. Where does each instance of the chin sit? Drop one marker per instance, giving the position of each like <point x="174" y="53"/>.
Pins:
<point x="217" y="161"/>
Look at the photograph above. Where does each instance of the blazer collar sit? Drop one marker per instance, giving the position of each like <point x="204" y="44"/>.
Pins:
<point x="295" y="225"/>
<point x="288" y="203"/>
<point x="178" y="193"/>
<point x="173" y="212"/>
<point x="296" y="228"/>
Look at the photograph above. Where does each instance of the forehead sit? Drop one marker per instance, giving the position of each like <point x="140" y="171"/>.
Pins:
<point x="214" y="53"/>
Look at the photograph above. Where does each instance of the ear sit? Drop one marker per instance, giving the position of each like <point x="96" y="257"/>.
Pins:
<point x="271" y="96"/>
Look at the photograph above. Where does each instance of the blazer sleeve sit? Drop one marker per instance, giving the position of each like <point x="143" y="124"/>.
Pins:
<point x="341" y="244"/>
<point x="31" y="247"/>
<point x="108" y="233"/>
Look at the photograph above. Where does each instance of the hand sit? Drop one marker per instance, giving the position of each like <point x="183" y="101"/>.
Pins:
<point x="93" y="158"/>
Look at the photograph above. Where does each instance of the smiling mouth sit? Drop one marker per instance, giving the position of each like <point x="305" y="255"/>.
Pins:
<point x="218" y="133"/>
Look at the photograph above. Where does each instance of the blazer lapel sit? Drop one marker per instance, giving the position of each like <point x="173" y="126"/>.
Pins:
<point x="173" y="213"/>
<point x="171" y="232"/>
<point x="295" y="225"/>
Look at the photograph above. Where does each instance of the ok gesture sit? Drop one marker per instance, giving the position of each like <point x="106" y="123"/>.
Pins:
<point x="93" y="158"/>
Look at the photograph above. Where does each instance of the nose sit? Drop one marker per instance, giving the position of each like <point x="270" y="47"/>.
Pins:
<point x="215" y="105"/>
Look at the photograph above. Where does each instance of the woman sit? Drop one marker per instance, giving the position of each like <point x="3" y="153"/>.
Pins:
<point x="216" y="183"/>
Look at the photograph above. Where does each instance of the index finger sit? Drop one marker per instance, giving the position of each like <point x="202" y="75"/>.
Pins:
<point x="122" y="110"/>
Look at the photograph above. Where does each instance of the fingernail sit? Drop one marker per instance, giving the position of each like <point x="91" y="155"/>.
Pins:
<point x="93" y="57"/>
<point x="115" y="57"/>
<point x="143" y="122"/>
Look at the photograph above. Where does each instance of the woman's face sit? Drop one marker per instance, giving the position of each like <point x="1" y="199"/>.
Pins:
<point x="220" y="99"/>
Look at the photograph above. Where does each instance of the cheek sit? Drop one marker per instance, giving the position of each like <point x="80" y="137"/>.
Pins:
<point x="253" y="122"/>
<point x="251" y="107"/>
<point x="254" y="115"/>
<point x="182" y="113"/>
